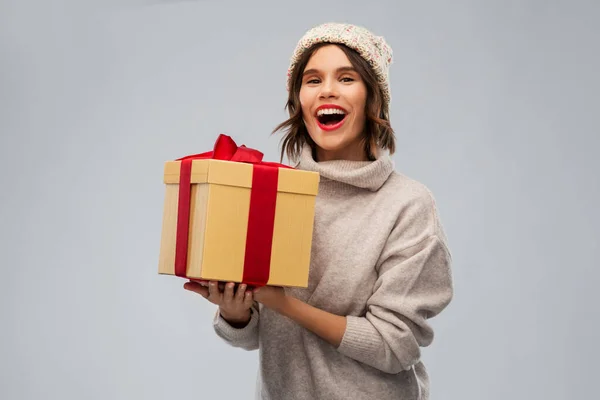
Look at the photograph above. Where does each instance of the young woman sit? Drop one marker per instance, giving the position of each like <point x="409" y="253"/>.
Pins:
<point x="380" y="266"/>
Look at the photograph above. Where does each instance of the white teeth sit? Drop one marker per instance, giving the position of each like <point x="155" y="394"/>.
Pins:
<point x="330" y="111"/>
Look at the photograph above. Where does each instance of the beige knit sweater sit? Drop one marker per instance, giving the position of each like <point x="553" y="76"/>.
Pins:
<point x="380" y="258"/>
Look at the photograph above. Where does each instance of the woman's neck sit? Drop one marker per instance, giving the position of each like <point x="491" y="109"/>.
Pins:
<point x="356" y="153"/>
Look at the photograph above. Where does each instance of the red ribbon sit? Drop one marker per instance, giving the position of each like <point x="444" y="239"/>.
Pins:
<point x="263" y="197"/>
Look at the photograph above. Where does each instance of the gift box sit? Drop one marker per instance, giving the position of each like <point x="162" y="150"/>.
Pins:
<point x="229" y="216"/>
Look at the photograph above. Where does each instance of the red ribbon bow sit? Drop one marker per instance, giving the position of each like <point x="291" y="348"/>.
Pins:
<point x="261" y="219"/>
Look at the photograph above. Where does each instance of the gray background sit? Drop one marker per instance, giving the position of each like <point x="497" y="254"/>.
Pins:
<point x="495" y="108"/>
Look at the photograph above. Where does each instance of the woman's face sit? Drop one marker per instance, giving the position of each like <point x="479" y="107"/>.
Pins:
<point x="333" y="97"/>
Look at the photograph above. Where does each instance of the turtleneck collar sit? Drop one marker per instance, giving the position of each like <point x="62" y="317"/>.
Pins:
<point x="370" y="175"/>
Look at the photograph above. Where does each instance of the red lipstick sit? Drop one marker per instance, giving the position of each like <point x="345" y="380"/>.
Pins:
<point x="330" y="127"/>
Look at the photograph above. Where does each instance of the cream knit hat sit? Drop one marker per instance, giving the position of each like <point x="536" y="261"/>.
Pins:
<point x="372" y="48"/>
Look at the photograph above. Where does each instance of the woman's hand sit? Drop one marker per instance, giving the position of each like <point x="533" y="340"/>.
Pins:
<point x="272" y="297"/>
<point x="328" y="326"/>
<point x="234" y="307"/>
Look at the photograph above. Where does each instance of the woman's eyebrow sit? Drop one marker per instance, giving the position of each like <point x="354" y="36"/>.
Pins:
<point x="340" y="69"/>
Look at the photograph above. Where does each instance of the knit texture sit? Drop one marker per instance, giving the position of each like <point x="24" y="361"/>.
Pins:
<point x="372" y="48"/>
<point x="379" y="257"/>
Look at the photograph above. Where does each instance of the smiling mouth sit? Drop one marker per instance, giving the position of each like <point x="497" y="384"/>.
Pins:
<point x="330" y="118"/>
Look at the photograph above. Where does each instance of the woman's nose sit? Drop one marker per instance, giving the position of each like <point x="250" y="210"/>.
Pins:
<point x="328" y="89"/>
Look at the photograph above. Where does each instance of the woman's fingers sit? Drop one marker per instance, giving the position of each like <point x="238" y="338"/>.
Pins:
<point x="239" y="295"/>
<point x="222" y="293"/>
<point x="197" y="288"/>
<point x="248" y="299"/>
<point x="228" y="293"/>
<point x="214" y="294"/>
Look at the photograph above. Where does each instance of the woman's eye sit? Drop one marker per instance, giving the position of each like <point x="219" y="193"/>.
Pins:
<point x="313" y="81"/>
<point x="347" y="79"/>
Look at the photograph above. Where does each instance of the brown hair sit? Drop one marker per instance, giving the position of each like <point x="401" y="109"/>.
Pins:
<point x="378" y="131"/>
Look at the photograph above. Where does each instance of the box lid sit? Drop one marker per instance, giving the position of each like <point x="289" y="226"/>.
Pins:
<point x="240" y="174"/>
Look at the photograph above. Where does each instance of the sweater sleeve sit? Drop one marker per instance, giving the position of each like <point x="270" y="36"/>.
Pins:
<point x="414" y="284"/>
<point x="246" y="337"/>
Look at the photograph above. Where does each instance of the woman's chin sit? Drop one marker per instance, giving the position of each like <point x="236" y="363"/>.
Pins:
<point x="329" y="142"/>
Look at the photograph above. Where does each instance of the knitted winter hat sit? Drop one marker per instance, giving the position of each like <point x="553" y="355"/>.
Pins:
<point x="372" y="48"/>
